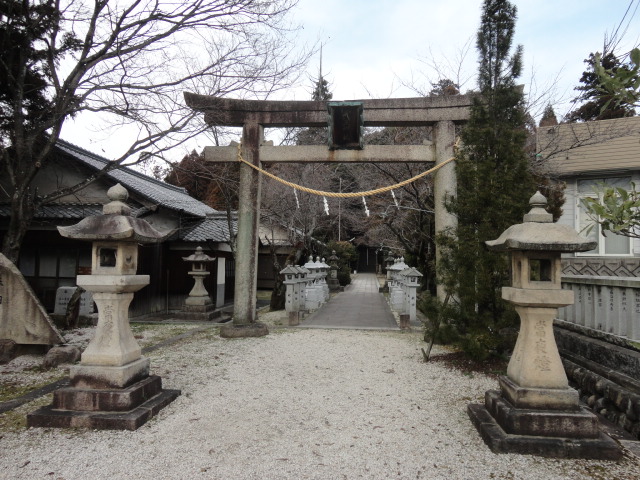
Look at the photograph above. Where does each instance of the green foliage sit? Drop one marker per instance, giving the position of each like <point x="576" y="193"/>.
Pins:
<point x="27" y="59"/>
<point x="344" y="276"/>
<point x="599" y="104"/>
<point x="621" y="85"/>
<point x="494" y="185"/>
<point x="446" y="324"/>
<point x="616" y="210"/>
<point x="346" y="253"/>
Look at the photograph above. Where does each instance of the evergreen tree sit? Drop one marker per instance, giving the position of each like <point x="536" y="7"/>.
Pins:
<point x="599" y="106"/>
<point x="316" y="135"/>
<point x="549" y="118"/>
<point x="494" y="185"/>
<point x="444" y="87"/>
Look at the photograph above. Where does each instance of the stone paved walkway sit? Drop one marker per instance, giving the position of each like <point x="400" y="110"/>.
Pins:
<point x="359" y="306"/>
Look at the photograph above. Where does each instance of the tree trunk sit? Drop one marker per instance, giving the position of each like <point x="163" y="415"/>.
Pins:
<point x="22" y="213"/>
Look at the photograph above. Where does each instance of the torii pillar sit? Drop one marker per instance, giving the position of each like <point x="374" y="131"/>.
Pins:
<point x="443" y="113"/>
<point x="244" y="322"/>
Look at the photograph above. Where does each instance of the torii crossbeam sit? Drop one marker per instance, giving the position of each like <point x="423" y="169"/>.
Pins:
<point x="442" y="113"/>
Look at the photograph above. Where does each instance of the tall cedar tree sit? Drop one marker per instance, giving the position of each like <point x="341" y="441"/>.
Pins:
<point x="494" y="185"/>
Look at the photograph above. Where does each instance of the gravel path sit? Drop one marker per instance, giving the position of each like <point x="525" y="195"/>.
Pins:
<point x="297" y="404"/>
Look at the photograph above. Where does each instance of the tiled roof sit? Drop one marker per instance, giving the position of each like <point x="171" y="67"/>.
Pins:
<point x="166" y="195"/>
<point x="213" y="228"/>
<point x="72" y="211"/>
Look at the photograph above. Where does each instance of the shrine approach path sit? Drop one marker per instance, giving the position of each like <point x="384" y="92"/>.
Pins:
<point x="361" y="305"/>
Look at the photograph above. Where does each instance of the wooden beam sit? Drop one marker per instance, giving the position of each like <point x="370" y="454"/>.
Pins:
<point x="320" y="153"/>
<point x="377" y="112"/>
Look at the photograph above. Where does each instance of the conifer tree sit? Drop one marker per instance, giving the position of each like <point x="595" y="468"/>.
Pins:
<point x="494" y="185"/>
<point x="596" y="103"/>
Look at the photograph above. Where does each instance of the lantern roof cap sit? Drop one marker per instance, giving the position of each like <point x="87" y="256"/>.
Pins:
<point x="198" y="256"/>
<point x="539" y="233"/>
<point x="411" y="272"/>
<point x="115" y="223"/>
<point x="290" y="269"/>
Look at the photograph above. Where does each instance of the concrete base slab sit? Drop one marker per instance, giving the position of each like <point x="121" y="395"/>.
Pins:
<point x="499" y="441"/>
<point x="241" y="331"/>
<point x="131" y="420"/>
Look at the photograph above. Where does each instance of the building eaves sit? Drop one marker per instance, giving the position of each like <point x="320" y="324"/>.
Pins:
<point x="207" y="229"/>
<point x="163" y="194"/>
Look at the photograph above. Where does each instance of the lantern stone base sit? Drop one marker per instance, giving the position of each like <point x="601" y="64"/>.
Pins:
<point x="572" y="433"/>
<point x="105" y="376"/>
<point x="105" y="409"/>
<point x="542" y="398"/>
<point x="334" y="285"/>
<point x="233" y="330"/>
<point x="199" y="309"/>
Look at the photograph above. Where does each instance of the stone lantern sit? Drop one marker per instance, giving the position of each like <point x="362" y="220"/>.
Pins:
<point x="411" y="279"/>
<point x="111" y="387"/>
<point x="388" y="262"/>
<point x="292" y="294"/>
<point x="314" y="294"/>
<point x="198" y="305"/>
<point x="535" y="411"/>
<point x="332" y="279"/>
<point x="324" y="274"/>
<point x="302" y="287"/>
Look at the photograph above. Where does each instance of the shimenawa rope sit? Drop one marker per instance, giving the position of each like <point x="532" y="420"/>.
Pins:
<point x="345" y="194"/>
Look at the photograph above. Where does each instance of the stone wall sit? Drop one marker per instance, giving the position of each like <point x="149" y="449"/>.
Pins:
<point x="602" y="266"/>
<point x="604" y="370"/>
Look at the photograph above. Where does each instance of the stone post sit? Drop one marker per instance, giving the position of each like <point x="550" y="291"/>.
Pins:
<point x="535" y="411"/>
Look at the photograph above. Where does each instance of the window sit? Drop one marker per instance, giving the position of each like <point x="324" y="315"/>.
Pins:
<point x="608" y="243"/>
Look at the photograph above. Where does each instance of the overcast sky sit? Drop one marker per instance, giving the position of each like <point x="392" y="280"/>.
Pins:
<point x="379" y="48"/>
<point x="372" y="47"/>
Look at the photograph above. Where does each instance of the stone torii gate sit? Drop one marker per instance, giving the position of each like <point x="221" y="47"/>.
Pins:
<point x="442" y="113"/>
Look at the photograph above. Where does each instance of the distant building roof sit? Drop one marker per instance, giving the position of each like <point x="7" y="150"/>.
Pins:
<point x="168" y="196"/>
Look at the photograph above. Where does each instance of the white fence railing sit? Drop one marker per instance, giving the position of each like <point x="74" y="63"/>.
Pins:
<point x="608" y="304"/>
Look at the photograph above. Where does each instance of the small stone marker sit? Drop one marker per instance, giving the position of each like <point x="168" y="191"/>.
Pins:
<point x="63" y="295"/>
<point x="23" y="319"/>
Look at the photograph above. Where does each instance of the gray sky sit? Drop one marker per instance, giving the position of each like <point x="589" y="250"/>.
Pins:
<point x="373" y="47"/>
<point x="388" y="48"/>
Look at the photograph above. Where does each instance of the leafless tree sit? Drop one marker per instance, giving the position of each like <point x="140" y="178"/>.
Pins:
<point x="128" y="62"/>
